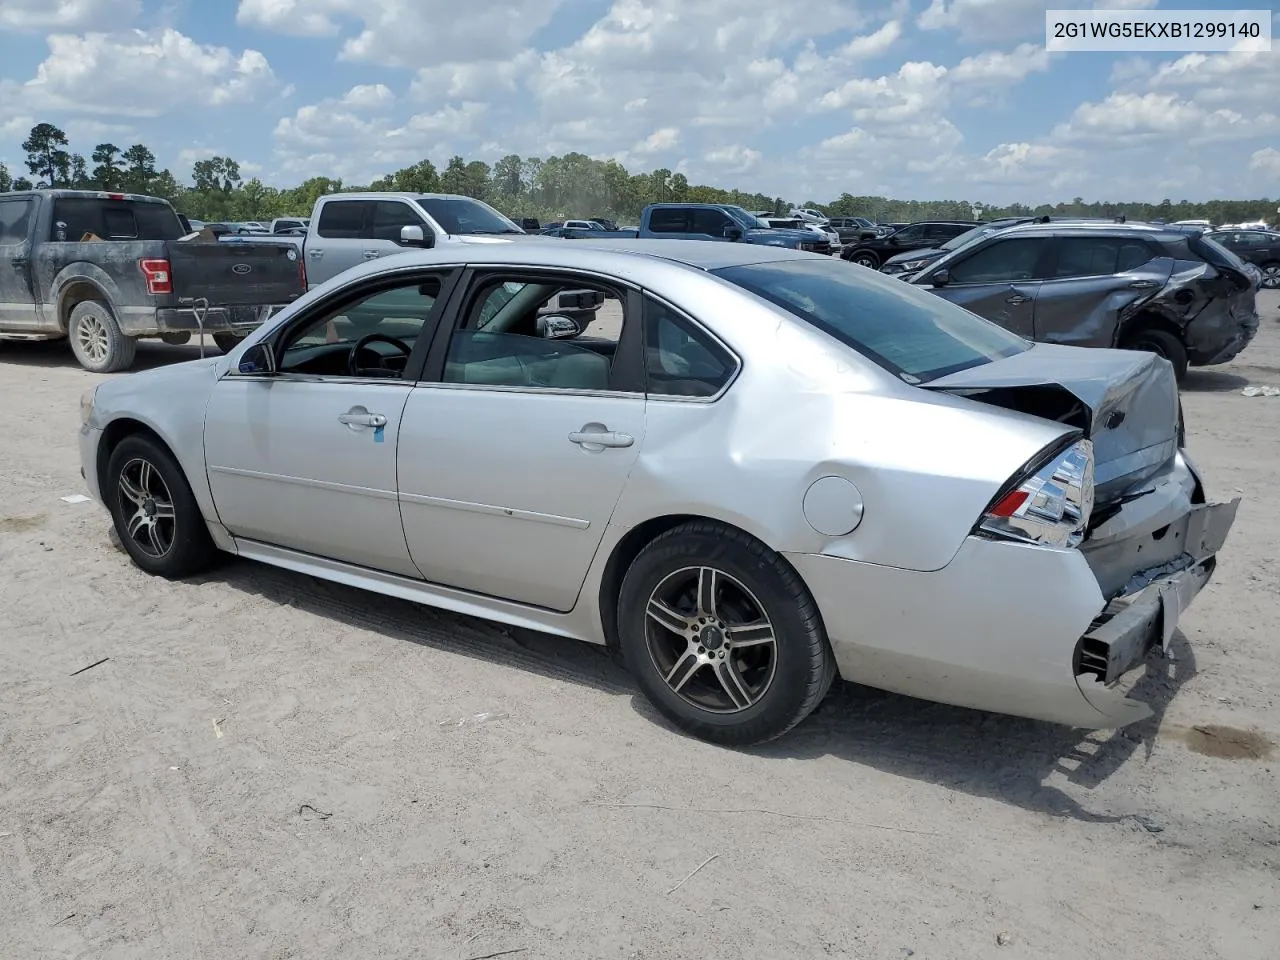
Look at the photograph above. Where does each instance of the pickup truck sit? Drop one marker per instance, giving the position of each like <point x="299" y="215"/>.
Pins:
<point x="707" y="221"/>
<point x="105" y="269"/>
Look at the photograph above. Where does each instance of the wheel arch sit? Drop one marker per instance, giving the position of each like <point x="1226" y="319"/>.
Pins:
<point x="1148" y="319"/>
<point x="116" y="432"/>
<point x="628" y="547"/>
<point x="76" y="284"/>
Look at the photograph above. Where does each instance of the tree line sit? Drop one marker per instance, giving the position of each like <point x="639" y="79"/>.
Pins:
<point x="573" y="185"/>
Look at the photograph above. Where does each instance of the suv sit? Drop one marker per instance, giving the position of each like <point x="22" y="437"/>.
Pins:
<point x="853" y="229"/>
<point x="1128" y="285"/>
<point x="873" y="251"/>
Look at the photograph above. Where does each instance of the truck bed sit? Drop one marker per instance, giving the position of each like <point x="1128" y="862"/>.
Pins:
<point x="235" y="275"/>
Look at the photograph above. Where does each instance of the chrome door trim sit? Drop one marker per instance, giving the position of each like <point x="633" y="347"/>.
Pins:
<point x="491" y="510"/>
<point x="372" y="492"/>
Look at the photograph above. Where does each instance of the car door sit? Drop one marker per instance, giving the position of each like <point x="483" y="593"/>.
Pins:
<point x="515" y="448"/>
<point x="708" y="223"/>
<point x="669" y="222"/>
<point x="305" y="458"/>
<point x="19" y="300"/>
<point x="999" y="281"/>
<point x="1090" y="282"/>
<point x="339" y="240"/>
<point x="387" y="217"/>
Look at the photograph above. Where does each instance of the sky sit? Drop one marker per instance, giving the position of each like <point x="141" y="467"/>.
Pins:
<point x="806" y="99"/>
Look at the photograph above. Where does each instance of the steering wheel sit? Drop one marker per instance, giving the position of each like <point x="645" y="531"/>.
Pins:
<point x="381" y="370"/>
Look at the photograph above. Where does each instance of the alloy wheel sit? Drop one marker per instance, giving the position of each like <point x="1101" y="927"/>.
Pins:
<point x="147" y="506"/>
<point x="91" y="334"/>
<point x="1271" y="277"/>
<point x="711" y="640"/>
<point x="865" y="261"/>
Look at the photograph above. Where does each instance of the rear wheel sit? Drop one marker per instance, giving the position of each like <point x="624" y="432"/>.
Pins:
<point x="154" y="511"/>
<point x="96" y="338"/>
<point x="1271" y="275"/>
<point x="722" y="635"/>
<point x="1163" y="344"/>
<point x="864" y="258"/>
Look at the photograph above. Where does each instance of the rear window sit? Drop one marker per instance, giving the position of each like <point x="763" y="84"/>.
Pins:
<point x="913" y="334"/>
<point x="1215" y="253"/>
<point x="75" y="217"/>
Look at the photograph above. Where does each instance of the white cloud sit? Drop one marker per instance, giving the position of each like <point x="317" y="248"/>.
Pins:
<point x="1266" y="161"/>
<point x="1125" y="120"/>
<point x="997" y="20"/>
<point x="873" y="44"/>
<point x="733" y="159"/>
<point x="407" y="33"/>
<point x="140" y="74"/>
<point x="474" y="80"/>
<point x="68" y="14"/>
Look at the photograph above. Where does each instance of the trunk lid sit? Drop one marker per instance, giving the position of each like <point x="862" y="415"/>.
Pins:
<point x="235" y="274"/>
<point x="1125" y="401"/>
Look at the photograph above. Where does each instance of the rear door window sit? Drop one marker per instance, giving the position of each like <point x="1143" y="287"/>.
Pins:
<point x="343" y="219"/>
<point x="668" y="220"/>
<point x="15" y="220"/>
<point x="1099" y="256"/>
<point x="74" y="218"/>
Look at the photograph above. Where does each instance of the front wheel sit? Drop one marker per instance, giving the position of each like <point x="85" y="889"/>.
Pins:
<point x="1163" y="344"/>
<point x="154" y="511"/>
<point x="864" y="259"/>
<point x="722" y="635"/>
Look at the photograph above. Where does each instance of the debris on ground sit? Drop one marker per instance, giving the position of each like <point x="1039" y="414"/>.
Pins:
<point x="1003" y="939"/>
<point x="1260" y="390"/>
<point x="90" y="666"/>
<point x="475" y="720"/>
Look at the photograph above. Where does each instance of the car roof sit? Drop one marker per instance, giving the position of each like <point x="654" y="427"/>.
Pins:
<point x="620" y="257"/>
<point x="1084" y="228"/>
<point x="378" y="195"/>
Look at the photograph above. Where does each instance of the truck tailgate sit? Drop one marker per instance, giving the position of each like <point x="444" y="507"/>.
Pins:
<point x="236" y="275"/>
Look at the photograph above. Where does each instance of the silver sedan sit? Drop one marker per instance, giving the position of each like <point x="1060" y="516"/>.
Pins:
<point x="750" y="469"/>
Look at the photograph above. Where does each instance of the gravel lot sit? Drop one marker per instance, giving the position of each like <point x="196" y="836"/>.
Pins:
<point x="269" y="766"/>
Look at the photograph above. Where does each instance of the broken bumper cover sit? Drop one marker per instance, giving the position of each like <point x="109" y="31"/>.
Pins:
<point x="1003" y="626"/>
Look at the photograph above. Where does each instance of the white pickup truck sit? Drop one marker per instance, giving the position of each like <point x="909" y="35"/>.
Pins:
<point x="349" y="228"/>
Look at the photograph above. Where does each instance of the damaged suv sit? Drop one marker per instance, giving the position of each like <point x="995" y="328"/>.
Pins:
<point x="1138" y="286"/>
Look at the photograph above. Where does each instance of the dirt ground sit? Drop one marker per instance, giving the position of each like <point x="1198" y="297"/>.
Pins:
<point x="268" y="766"/>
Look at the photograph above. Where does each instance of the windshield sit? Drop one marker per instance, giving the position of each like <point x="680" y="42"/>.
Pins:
<point x="458" y="215"/>
<point x="912" y="333"/>
<point x="955" y="243"/>
<point x="745" y="219"/>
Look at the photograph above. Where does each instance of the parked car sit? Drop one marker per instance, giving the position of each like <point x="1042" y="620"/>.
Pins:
<point x="1130" y="285"/>
<point x="873" y="251"/>
<point x="103" y="270"/>
<point x="966" y="516"/>
<point x="902" y="265"/>
<point x="605" y="223"/>
<point x="1259" y="247"/>
<point x="710" y="221"/>
<point x="824" y="233"/>
<point x="852" y="229"/>
<point x="530" y="224"/>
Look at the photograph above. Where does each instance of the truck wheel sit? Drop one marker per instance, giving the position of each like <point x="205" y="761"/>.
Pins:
<point x="1163" y="344"/>
<point x="96" y="338"/>
<point x="226" y="342"/>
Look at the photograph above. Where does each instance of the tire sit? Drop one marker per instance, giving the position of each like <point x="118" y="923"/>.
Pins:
<point x="722" y="693"/>
<point x="1163" y="344"/>
<point x="154" y="487"/>
<point x="1271" y="275"/>
<point x="96" y="338"/>
<point x="864" y="258"/>
<point x="226" y="342"/>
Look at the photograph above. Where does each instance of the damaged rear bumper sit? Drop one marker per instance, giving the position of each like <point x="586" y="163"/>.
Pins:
<point x="1013" y="628"/>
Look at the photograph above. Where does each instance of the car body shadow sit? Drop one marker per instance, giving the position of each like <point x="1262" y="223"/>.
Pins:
<point x="982" y="754"/>
<point x="57" y="353"/>
<point x="1212" y="381"/>
<point x="1005" y="758"/>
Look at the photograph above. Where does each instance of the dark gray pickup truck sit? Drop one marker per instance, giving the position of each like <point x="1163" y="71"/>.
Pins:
<point x="105" y="269"/>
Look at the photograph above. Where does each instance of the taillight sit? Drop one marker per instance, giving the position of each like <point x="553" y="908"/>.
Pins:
<point x="159" y="280"/>
<point x="1050" y="503"/>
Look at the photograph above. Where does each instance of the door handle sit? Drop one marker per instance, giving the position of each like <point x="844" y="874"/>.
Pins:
<point x="371" y="254"/>
<point x="601" y="438"/>
<point x="363" y="419"/>
<point x="1142" y="284"/>
<point x="315" y="254"/>
<point x="1017" y="298"/>
<point x="19" y="261"/>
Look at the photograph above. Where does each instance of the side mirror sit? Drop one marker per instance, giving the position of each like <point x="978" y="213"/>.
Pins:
<point x="732" y="232"/>
<point x="414" y="236"/>
<point x="258" y="360"/>
<point x="556" y="326"/>
<point x="941" y="278"/>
